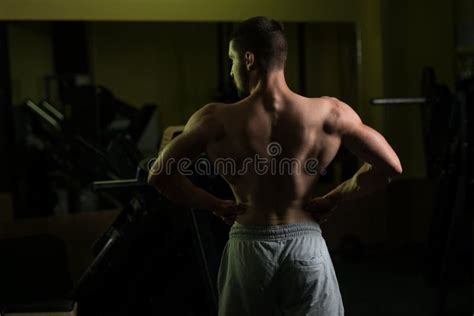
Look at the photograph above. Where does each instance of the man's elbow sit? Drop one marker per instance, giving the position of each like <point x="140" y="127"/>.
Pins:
<point x="155" y="181"/>
<point x="399" y="170"/>
<point x="394" y="170"/>
<point x="397" y="167"/>
<point x="149" y="180"/>
<point x="388" y="171"/>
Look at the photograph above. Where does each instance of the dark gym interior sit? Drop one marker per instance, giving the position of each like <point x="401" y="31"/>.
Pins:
<point x="90" y="92"/>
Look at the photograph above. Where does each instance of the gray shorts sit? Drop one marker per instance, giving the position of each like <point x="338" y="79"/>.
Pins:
<point x="277" y="270"/>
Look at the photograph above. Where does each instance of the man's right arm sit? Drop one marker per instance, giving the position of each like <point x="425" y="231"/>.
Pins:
<point x="381" y="162"/>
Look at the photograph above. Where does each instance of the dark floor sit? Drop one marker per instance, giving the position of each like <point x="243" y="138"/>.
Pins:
<point x="376" y="280"/>
<point x="392" y="282"/>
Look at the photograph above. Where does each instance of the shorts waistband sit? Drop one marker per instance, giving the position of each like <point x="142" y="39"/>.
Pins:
<point x="273" y="232"/>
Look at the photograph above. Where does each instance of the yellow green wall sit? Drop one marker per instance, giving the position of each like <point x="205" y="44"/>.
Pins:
<point x="415" y="34"/>
<point x="173" y="65"/>
<point x="31" y="59"/>
<point x="331" y="68"/>
<point x="178" y="10"/>
<point x="394" y="40"/>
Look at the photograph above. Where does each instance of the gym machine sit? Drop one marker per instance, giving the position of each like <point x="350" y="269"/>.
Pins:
<point x="447" y="133"/>
<point x="71" y="159"/>
<point x="155" y="256"/>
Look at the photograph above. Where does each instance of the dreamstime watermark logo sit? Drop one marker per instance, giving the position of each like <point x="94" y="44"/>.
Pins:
<point x="270" y="163"/>
<point x="274" y="149"/>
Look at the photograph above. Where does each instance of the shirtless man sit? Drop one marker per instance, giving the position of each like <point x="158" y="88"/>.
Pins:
<point x="276" y="261"/>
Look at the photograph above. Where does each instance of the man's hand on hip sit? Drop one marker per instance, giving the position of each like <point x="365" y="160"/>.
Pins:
<point x="320" y="208"/>
<point x="228" y="210"/>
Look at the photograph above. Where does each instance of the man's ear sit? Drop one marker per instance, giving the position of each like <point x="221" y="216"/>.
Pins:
<point x="249" y="58"/>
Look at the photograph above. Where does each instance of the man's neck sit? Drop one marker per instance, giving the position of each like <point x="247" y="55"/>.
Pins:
<point x="270" y="86"/>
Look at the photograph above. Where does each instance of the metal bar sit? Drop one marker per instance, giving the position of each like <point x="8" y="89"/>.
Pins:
<point x="45" y="116"/>
<point x="53" y="110"/>
<point x="388" y="101"/>
<point x="118" y="184"/>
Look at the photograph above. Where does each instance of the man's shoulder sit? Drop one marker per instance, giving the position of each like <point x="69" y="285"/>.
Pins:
<point x="209" y="108"/>
<point x="327" y="108"/>
<point x="206" y="112"/>
<point x="215" y="107"/>
<point x="334" y="113"/>
<point x="204" y="117"/>
<point x="330" y="102"/>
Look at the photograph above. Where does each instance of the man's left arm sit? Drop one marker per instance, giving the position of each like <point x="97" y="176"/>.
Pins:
<point x="165" y="173"/>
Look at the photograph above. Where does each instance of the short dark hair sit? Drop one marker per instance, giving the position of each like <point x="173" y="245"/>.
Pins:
<point x="264" y="37"/>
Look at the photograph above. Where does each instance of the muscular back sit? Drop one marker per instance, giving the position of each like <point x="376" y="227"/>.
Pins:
<point x="287" y="133"/>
